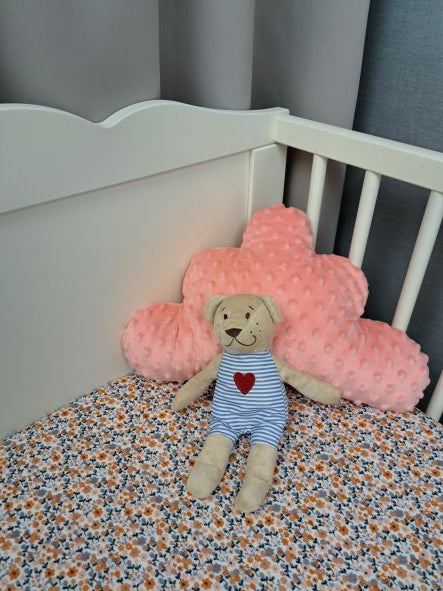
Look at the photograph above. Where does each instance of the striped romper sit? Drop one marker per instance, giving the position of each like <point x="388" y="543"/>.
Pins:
<point x="249" y="398"/>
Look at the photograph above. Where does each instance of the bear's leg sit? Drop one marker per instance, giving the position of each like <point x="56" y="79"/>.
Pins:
<point x="258" y="477"/>
<point x="210" y="466"/>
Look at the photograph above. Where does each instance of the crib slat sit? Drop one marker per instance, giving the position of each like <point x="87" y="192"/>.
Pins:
<point x="419" y="260"/>
<point x="435" y="406"/>
<point x="363" y="221"/>
<point x="315" y="196"/>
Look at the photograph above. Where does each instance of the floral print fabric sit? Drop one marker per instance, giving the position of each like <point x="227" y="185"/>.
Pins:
<point x="92" y="497"/>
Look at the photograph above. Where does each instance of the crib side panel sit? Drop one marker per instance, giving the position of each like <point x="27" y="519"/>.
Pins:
<point x="73" y="271"/>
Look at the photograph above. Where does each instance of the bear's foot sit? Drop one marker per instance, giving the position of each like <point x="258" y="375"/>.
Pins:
<point x="251" y="495"/>
<point x="203" y="480"/>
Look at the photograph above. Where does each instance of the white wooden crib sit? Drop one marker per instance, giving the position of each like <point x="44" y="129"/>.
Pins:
<point x="99" y="219"/>
<point x="166" y="180"/>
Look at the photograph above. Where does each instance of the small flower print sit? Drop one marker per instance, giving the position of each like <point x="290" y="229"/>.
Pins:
<point x="93" y="497"/>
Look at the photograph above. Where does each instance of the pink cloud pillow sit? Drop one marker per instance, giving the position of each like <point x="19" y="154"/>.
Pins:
<point x="322" y="298"/>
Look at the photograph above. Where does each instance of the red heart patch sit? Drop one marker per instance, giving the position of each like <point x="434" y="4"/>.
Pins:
<point x="244" y="381"/>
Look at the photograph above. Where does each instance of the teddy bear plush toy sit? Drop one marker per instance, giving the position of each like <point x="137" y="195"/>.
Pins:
<point x="249" y="396"/>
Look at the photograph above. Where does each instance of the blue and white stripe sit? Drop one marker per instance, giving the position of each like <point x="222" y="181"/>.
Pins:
<point x="263" y="411"/>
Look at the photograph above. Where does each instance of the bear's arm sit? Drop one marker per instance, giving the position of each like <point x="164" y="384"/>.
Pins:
<point x="195" y="387"/>
<point x="307" y="385"/>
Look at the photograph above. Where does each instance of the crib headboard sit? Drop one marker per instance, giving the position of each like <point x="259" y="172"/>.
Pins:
<point x="98" y="219"/>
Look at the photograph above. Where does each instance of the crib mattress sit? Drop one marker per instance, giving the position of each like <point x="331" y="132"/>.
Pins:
<point x="92" y="497"/>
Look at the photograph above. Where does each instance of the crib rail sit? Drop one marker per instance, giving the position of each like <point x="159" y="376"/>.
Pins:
<point x="378" y="157"/>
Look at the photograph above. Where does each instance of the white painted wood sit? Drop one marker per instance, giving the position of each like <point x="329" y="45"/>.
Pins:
<point x="435" y="406"/>
<point x="74" y="270"/>
<point x="316" y="188"/>
<point x="419" y="260"/>
<point x="266" y="177"/>
<point x="394" y="159"/>
<point x="363" y="221"/>
<point x="47" y="154"/>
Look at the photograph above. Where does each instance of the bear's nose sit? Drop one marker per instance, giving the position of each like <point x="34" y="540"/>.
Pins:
<point x="233" y="332"/>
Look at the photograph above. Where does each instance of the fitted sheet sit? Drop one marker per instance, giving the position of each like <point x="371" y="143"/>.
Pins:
<point x="92" y="497"/>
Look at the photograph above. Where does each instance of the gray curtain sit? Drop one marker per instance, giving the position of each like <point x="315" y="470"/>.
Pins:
<point x="308" y="58"/>
<point x="206" y="52"/>
<point x="93" y="57"/>
<point x="401" y="98"/>
<point x="298" y="54"/>
<point x="89" y="57"/>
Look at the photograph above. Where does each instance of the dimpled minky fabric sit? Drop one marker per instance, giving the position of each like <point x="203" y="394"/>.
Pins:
<point x="92" y="497"/>
<point x="321" y="298"/>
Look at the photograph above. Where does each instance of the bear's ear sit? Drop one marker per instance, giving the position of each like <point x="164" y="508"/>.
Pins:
<point x="211" y="307"/>
<point x="273" y="308"/>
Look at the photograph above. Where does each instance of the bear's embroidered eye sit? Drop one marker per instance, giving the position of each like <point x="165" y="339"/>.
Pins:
<point x="225" y="316"/>
<point x="248" y="315"/>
